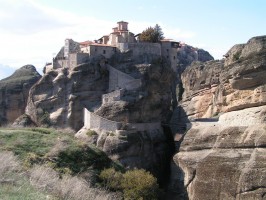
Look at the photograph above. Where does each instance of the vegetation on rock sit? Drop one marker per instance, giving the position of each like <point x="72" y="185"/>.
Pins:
<point x="152" y="34"/>
<point x="135" y="184"/>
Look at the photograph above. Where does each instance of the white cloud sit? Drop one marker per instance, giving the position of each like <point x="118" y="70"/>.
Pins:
<point x="31" y="33"/>
<point x="178" y="34"/>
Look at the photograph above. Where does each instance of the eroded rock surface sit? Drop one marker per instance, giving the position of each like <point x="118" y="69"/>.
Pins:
<point x="222" y="155"/>
<point x="14" y="91"/>
<point x="221" y="86"/>
<point x="59" y="98"/>
<point x="222" y="160"/>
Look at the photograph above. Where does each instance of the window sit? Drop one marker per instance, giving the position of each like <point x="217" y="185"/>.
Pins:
<point x="167" y="50"/>
<point x="104" y="51"/>
<point x="174" y="57"/>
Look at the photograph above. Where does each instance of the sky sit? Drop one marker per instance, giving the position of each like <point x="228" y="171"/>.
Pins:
<point x="33" y="31"/>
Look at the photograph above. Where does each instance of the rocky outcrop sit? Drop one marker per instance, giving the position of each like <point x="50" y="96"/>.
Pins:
<point x="14" y="92"/>
<point x="222" y="155"/>
<point x="221" y="86"/>
<point x="188" y="54"/>
<point x="59" y="98"/>
<point x="226" y="158"/>
<point x="128" y="122"/>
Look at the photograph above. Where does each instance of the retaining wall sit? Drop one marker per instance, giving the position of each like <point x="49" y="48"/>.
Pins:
<point x="144" y="126"/>
<point x="145" y="48"/>
<point x="113" y="96"/>
<point x="93" y="121"/>
<point x="118" y="80"/>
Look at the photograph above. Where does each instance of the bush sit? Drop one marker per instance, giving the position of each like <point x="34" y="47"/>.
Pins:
<point x="139" y="184"/>
<point x="236" y="56"/>
<point x="135" y="184"/>
<point x="111" y="179"/>
<point x="32" y="159"/>
<point x="45" y="119"/>
<point x="91" y="133"/>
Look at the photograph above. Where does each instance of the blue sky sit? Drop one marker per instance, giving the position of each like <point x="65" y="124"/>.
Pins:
<point x="32" y="31"/>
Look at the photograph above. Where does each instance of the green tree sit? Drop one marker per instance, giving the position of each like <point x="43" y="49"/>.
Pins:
<point x="152" y="34"/>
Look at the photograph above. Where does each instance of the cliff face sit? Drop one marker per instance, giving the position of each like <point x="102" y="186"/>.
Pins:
<point x="59" y="98"/>
<point x="221" y="86"/>
<point x="129" y="90"/>
<point x="224" y="158"/>
<point x="14" y="92"/>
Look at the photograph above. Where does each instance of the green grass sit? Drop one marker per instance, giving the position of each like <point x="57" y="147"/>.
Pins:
<point x="23" y="141"/>
<point x="34" y="146"/>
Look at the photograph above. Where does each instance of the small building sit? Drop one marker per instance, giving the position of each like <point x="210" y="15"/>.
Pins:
<point x="169" y="51"/>
<point x="120" y="35"/>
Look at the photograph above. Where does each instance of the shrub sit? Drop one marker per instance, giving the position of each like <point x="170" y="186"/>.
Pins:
<point x="45" y="119"/>
<point x="110" y="133"/>
<point x="91" y="133"/>
<point x="111" y="179"/>
<point x="135" y="184"/>
<point x="139" y="184"/>
<point x="236" y="56"/>
<point x="31" y="159"/>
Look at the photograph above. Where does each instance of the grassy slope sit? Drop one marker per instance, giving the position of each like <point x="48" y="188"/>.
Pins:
<point x="47" y="147"/>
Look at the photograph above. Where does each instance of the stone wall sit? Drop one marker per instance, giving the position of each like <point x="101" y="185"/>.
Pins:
<point x="145" y="126"/>
<point x="134" y="84"/>
<point x="122" y="46"/>
<point x="106" y="51"/>
<point x="118" y="80"/>
<point x="92" y="121"/>
<point x="145" y="48"/>
<point x="113" y="96"/>
<point x="60" y="63"/>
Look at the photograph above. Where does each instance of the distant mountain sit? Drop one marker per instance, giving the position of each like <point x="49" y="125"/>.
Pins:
<point x="5" y="71"/>
<point x="14" y="91"/>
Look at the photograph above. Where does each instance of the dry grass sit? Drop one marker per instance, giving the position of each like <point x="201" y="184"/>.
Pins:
<point x="68" y="187"/>
<point x="14" y="183"/>
<point x="8" y="163"/>
<point x="44" y="178"/>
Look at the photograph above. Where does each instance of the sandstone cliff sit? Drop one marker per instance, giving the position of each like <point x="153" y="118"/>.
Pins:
<point x="222" y="155"/>
<point x="59" y="98"/>
<point x="128" y="90"/>
<point x="14" y="92"/>
<point x="234" y="83"/>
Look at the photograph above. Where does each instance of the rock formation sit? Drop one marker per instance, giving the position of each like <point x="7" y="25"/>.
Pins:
<point x="136" y="90"/>
<point x="221" y="86"/>
<point x="222" y="155"/>
<point x="61" y="95"/>
<point x="14" y="92"/>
